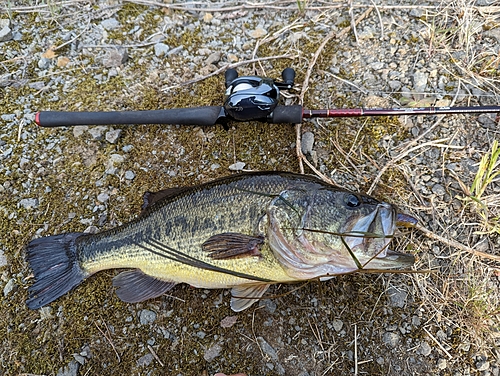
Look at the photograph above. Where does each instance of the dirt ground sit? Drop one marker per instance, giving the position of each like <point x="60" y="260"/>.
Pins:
<point x="441" y="317"/>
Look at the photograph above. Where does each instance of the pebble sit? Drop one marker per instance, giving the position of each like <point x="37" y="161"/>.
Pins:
<point x="78" y="130"/>
<point x="96" y="132"/>
<point x="3" y="259"/>
<point x="438" y="189"/>
<point x="70" y="370"/>
<point x="115" y="57"/>
<point x="259" y="32"/>
<point x="482" y="365"/>
<point x="9" y="287"/>
<point x="442" y="364"/>
<point x="103" y="197"/>
<point x="391" y="339"/>
<point x="269" y="305"/>
<point x="161" y="49"/>
<point x="337" y="325"/>
<point x="307" y="142"/>
<point x="147" y="317"/>
<point x="420" y="81"/>
<point x="110" y="23"/>
<point x="214" y="58"/>
<point x="5" y="30"/>
<point x="267" y="348"/>
<point x="28" y="203"/>
<point x="129" y="175"/>
<point x="113" y="136"/>
<point x="397" y="297"/>
<point x="212" y="352"/>
<point x="43" y="63"/>
<point x="145" y="360"/>
<point x="238" y="166"/>
<point x="425" y="349"/>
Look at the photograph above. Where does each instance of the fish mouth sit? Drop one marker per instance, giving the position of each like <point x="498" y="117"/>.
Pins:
<point x="373" y="233"/>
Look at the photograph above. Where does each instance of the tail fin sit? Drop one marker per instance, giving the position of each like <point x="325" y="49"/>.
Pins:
<point x="55" y="266"/>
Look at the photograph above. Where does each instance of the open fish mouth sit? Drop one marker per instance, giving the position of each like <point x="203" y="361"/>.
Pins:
<point x="372" y="235"/>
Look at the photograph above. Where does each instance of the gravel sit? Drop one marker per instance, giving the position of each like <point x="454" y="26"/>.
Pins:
<point x="91" y="178"/>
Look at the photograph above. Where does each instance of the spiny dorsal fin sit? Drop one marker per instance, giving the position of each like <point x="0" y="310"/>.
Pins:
<point x="243" y="296"/>
<point x="232" y="244"/>
<point x="149" y="198"/>
<point x="134" y="286"/>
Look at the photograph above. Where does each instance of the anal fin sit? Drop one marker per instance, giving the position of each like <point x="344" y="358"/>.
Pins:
<point x="134" y="286"/>
<point x="232" y="244"/>
<point x="243" y="296"/>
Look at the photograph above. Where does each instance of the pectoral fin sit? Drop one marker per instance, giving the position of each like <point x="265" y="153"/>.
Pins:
<point x="231" y="244"/>
<point x="244" y="296"/>
<point x="134" y="286"/>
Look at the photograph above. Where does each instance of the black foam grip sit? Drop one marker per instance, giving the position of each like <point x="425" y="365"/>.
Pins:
<point x="184" y="116"/>
<point x="287" y="114"/>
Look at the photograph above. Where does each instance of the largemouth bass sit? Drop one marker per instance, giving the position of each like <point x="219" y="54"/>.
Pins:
<point x="243" y="232"/>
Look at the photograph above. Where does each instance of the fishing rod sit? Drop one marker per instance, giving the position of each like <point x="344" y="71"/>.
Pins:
<point x="247" y="98"/>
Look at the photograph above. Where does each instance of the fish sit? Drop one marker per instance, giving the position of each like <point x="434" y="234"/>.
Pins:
<point x="244" y="232"/>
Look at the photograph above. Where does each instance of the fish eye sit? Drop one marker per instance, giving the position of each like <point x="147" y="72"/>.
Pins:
<point x="352" y="201"/>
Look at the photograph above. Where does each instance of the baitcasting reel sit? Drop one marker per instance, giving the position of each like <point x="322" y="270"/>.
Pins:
<point x="254" y="98"/>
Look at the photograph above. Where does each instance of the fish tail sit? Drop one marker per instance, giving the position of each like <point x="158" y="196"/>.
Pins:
<point x="55" y="266"/>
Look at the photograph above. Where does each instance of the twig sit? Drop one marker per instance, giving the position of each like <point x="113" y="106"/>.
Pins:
<point x="225" y="67"/>
<point x="305" y="85"/>
<point x="108" y="338"/>
<point x="155" y="356"/>
<point x="455" y="244"/>
<point x="355" y="349"/>
<point x="437" y="342"/>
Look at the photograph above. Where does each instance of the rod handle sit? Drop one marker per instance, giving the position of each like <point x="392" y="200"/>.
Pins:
<point x="185" y="116"/>
<point x="287" y="114"/>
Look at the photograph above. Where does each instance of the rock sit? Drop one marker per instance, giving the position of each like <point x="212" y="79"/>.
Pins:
<point x="110" y="23"/>
<point x="488" y="120"/>
<point x="145" y="360"/>
<point x="212" y="352"/>
<point x="238" y="166"/>
<point x="9" y="287"/>
<point x="438" y="189"/>
<point x="115" y="57"/>
<point x="267" y="348"/>
<point x="307" y="142"/>
<point x="391" y="339"/>
<point x="442" y="364"/>
<point x="5" y="30"/>
<point x="102" y="197"/>
<point x="259" y="32"/>
<point x="129" y="175"/>
<point x="70" y="370"/>
<point x="43" y="63"/>
<point x="419" y="81"/>
<point x="113" y="136"/>
<point x="78" y="130"/>
<point x="28" y="203"/>
<point x="213" y="58"/>
<point x="268" y="304"/>
<point x="337" y="325"/>
<point x="3" y="259"/>
<point x="147" y="317"/>
<point x="425" y="349"/>
<point x="482" y="365"/>
<point x="397" y="297"/>
<point x="96" y="132"/>
<point x="228" y="321"/>
<point x="161" y="49"/>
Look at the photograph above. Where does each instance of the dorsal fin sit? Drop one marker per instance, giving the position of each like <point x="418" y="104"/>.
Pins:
<point x="149" y="198"/>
